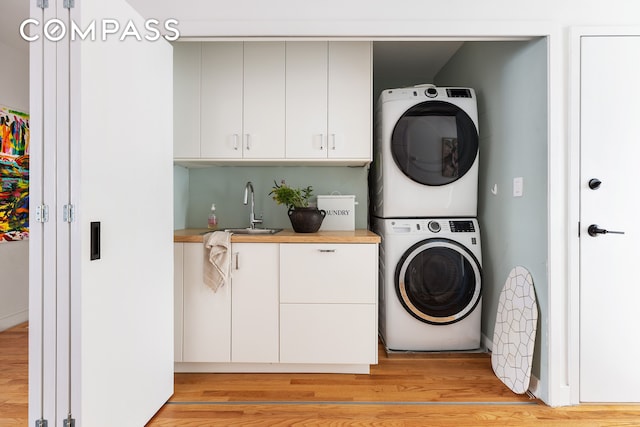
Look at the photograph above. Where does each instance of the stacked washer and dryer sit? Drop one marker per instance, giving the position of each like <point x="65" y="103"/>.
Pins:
<point x="424" y="198"/>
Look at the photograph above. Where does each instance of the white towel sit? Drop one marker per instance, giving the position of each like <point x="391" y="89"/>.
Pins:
<point x="217" y="259"/>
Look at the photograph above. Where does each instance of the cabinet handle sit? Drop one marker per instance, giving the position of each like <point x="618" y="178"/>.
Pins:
<point x="237" y="254"/>
<point x="235" y="141"/>
<point x="322" y="141"/>
<point x="248" y="141"/>
<point x="333" y="141"/>
<point x="326" y="250"/>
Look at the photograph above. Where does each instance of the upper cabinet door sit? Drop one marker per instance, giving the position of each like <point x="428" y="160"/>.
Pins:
<point x="221" y="100"/>
<point x="186" y="100"/>
<point x="264" y="97"/>
<point x="306" y="100"/>
<point x="349" y="112"/>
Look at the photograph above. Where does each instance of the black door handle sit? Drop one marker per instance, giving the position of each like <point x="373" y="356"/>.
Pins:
<point x="594" y="230"/>
<point x="594" y="183"/>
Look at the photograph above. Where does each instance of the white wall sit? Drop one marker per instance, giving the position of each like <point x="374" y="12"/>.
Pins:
<point x="14" y="256"/>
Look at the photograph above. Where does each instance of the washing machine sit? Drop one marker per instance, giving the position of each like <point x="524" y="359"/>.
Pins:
<point x="430" y="282"/>
<point x="425" y="153"/>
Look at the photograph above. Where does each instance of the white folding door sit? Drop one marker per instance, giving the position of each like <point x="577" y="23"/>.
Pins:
<point x="101" y="280"/>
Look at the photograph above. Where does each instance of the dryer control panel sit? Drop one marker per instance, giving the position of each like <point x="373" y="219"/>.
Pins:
<point x="462" y="226"/>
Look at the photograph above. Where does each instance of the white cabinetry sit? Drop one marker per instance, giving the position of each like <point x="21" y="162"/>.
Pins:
<point x="254" y="319"/>
<point x="328" y="100"/>
<point x="229" y="101"/>
<point x="206" y="314"/>
<point x="238" y="322"/>
<point x="221" y="100"/>
<point x="186" y="100"/>
<point x="288" y="307"/>
<point x="178" y="292"/>
<point x="328" y="303"/>
<point x="272" y="101"/>
<point x="264" y="98"/>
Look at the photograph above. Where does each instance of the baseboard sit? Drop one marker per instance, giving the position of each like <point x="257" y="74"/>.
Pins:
<point x="486" y="343"/>
<point x="13" y="319"/>
<point x="534" y="387"/>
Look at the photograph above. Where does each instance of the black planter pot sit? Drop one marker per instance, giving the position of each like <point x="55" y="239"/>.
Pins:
<point x="306" y="220"/>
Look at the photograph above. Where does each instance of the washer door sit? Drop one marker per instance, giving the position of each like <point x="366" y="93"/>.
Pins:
<point x="438" y="281"/>
<point x="434" y="143"/>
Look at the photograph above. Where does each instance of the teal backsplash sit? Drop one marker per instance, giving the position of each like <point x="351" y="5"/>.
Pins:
<point x="224" y="186"/>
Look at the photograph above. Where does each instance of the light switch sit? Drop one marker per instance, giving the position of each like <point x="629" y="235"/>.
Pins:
<point x="518" y="186"/>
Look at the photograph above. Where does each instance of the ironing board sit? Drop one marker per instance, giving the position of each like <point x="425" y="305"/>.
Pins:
<point x="515" y="331"/>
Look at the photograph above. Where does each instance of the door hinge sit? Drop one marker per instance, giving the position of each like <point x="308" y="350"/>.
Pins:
<point x="42" y="213"/>
<point x="42" y="4"/>
<point x="41" y="423"/>
<point x="69" y="4"/>
<point x="69" y="422"/>
<point x="68" y="213"/>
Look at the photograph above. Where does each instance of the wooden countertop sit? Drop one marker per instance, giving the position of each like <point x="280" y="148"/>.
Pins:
<point x="196" y="235"/>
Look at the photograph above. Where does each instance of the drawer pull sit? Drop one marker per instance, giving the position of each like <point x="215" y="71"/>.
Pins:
<point x="327" y="250"/>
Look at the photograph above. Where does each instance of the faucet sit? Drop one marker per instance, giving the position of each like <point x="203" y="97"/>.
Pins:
<point x="252" y="215"/>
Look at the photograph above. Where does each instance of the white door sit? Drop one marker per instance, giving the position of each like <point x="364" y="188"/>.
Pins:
<point x="609" y="275"/>
<point x="107" y="297"/>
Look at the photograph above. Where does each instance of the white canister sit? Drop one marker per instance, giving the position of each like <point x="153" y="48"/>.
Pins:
<point x="340" y="212"/>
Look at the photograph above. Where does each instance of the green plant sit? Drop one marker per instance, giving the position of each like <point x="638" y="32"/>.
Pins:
<point x="289" y="196"/>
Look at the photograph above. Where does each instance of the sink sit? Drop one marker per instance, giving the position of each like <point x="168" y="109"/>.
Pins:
<point x="253" y="230"/>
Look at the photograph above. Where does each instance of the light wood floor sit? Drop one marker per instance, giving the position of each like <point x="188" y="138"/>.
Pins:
<point x="402" y="390"/>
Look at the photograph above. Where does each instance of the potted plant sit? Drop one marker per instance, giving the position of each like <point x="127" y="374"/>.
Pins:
<point x="304" y="219"/>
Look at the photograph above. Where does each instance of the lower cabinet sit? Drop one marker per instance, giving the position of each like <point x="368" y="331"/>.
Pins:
<point x="289" y="305"/>
<point x="254" y="304"/>
<point x="328" y="303"/>
<point x="328" y="333"/>
<point x="206" y="314"/>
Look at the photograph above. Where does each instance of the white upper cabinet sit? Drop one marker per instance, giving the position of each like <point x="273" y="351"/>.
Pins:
<point x="264" y="100"/>
<point x="221" y="100"/>
<point x="186" y="100"/>
<point x="242" y="100"/>
<point x="273" y="102"/>
<point x="329" y="100"/>
<point x="306" y="100"/>
<point x="350" y="89"/>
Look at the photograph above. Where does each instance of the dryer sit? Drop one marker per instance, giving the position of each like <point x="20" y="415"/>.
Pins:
<point x="425" y="153"/>
<point x="430" y="282"/>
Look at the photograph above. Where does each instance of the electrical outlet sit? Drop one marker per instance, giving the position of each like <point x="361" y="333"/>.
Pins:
<point x="518" y="186"/>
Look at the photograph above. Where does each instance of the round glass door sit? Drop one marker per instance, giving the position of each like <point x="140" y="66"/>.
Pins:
<point x="438" y="281"/>
<point x="434" y="143"/>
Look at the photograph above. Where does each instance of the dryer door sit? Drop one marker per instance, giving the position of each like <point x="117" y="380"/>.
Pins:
<point x="434" y="143"/>
<point x="438" y="281"/>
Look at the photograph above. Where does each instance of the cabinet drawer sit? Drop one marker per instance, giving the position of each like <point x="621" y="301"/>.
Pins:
<point x="328" y="273"/>
<point x="328" y="333"/>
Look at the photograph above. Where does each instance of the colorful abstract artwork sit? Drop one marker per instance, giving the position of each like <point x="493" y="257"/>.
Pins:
<point x="14" y="175"/>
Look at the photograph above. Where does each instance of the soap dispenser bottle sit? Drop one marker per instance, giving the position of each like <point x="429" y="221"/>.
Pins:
<point x="212" y="222"/>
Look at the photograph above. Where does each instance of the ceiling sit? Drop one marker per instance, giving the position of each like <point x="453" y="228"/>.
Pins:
<point x="12" y="13"/>
<point x="424" y="57"/>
